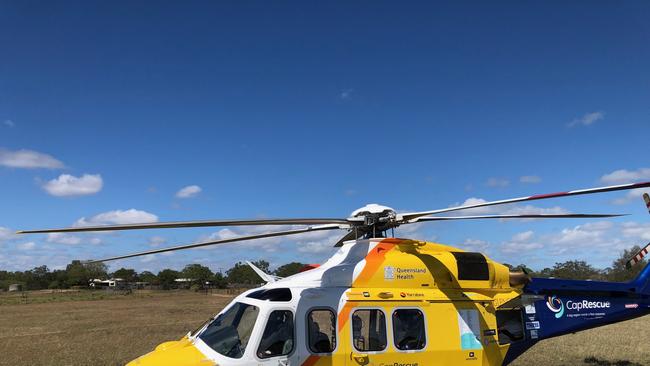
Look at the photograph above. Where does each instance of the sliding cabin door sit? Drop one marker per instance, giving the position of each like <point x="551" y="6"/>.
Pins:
<point x="418" y="333"/>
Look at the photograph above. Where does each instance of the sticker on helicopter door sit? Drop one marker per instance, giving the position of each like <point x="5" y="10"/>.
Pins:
<point x="470" y="329"/>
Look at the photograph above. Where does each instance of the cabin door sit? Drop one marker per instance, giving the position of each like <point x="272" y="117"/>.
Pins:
<point x="278" y="339"/>
<point x="368" y="335"/>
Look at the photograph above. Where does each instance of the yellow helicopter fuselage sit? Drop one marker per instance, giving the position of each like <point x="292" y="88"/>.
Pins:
<point x="375" y="302"/>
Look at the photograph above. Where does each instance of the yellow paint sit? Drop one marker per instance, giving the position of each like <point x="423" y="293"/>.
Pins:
<point x="424" y="276"/>
<point x="176" y="353"/>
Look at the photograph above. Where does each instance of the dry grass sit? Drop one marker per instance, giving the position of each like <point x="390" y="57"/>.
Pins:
<point x="56" y="331"/>
<point x="621" y="344"/>
<point x="99" y="332"/>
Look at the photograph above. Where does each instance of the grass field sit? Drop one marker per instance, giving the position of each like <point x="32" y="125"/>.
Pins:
<point x="89" y="329"/>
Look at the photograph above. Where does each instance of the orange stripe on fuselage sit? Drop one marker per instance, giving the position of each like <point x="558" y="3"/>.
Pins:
<point x="344" y="314"/>
<point x="374" y="260"/>
<point x="311" y="360"/>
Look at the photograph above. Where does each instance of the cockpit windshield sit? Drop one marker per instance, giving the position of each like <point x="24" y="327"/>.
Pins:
<point x="230" y="332"/>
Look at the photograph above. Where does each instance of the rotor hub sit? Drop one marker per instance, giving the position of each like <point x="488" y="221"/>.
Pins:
<point x="379" y="218"/>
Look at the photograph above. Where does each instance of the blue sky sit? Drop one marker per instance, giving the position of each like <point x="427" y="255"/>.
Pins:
<point x="286" y="109"/>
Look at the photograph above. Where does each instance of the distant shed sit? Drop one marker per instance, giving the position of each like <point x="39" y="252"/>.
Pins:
<point x="14" y="287"/>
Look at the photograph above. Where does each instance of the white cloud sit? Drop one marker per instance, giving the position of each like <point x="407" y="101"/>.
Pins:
<point x="592" y="241"/>
<point x="587" y="119"/>
<point x="315" y="247"/>
<point x="532" y="179"/>
<point x="68" y="185"/>
<point x="631" y="196"/>
<point x="9" y="123"/>
<point x="118" y="217"/>
<point x="6" y="234"/>
<point x="525" y="236"/>
<point x="533" y="210"/>
<point x="578" y="235"/>
<point x="28" y="159"/>
<point x="188" y="192"/>
<point x="623" y="176"/>
<point x="156" y="241"/>
<point x="626" y="176"/>
<point x="509" y="209"/>
<point x="71" y="239"/>
<point x="63" y="238"/>
<point x="586" y="241"/>
<point x="497" y="182"/>
<point x="521" y="243"/>
<point x="637" y="231"/>
<point x="475" y="211"/>
<point x="475" y="245"/>
<point x="319" y="242"/>
<point x="519" y="248"/>
<point x="148" y="258"/>
<point x="315" y="242"/>
<point x="26" y="246"/>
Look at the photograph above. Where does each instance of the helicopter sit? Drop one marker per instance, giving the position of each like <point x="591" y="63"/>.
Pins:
<point x="381" y="300"/>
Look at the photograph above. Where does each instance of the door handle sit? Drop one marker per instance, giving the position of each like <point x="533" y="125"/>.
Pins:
<point x="360" y="358"/>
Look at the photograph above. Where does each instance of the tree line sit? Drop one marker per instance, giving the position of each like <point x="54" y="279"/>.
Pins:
<point x="79" y="274"/>
<point x="581" y="270"/>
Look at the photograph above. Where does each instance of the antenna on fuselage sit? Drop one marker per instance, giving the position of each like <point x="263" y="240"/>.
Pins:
<point x="268" y="278"/>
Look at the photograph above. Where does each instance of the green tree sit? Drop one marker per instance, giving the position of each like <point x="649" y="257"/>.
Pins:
<point x="79" y="273"/>
<point x="166" y="278"/>
<point x="243" y="274"/>
<point x="524" y="268"/>
<point x="39" y="278"/>
<point x="288" y="269"/>
<point x="198" y="273"/>
<point x="96" y="270"/>
<point x="60" y="279"/>
<point x="575" y="270"/>
<point x="147" y="276"/>
<point x="546" y="272"/>
<point x="618" y="272"/>
<point x="127" y="274"/>
<point x="219" y="280"/>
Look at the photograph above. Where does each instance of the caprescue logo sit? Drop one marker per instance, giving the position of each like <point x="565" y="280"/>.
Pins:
<point x="575" y="308"/>
<point x="555" y="305"/>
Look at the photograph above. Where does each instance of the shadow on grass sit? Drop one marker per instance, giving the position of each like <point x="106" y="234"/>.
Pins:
<point x="599" y="362"/>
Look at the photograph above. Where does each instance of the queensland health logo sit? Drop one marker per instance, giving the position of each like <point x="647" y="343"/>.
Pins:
<point x="555" y="305"/>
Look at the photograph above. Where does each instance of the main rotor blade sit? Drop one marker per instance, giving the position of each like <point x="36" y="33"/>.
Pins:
<point x="177" y="224"/>
<point x="523" y="216"/>
<point x="221" y="241"/>
<point x="407" y="217"/>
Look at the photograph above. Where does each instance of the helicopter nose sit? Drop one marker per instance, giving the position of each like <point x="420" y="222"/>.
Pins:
<point x="176" y="353"/>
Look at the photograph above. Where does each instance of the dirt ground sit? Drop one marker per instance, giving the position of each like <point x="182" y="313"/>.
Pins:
<point x="113" y="329"/>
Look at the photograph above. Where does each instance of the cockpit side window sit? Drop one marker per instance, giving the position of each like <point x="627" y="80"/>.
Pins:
<point x="278" y="337"/>
<point x="321" y="325"/>
<point x="230" y="332"/>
